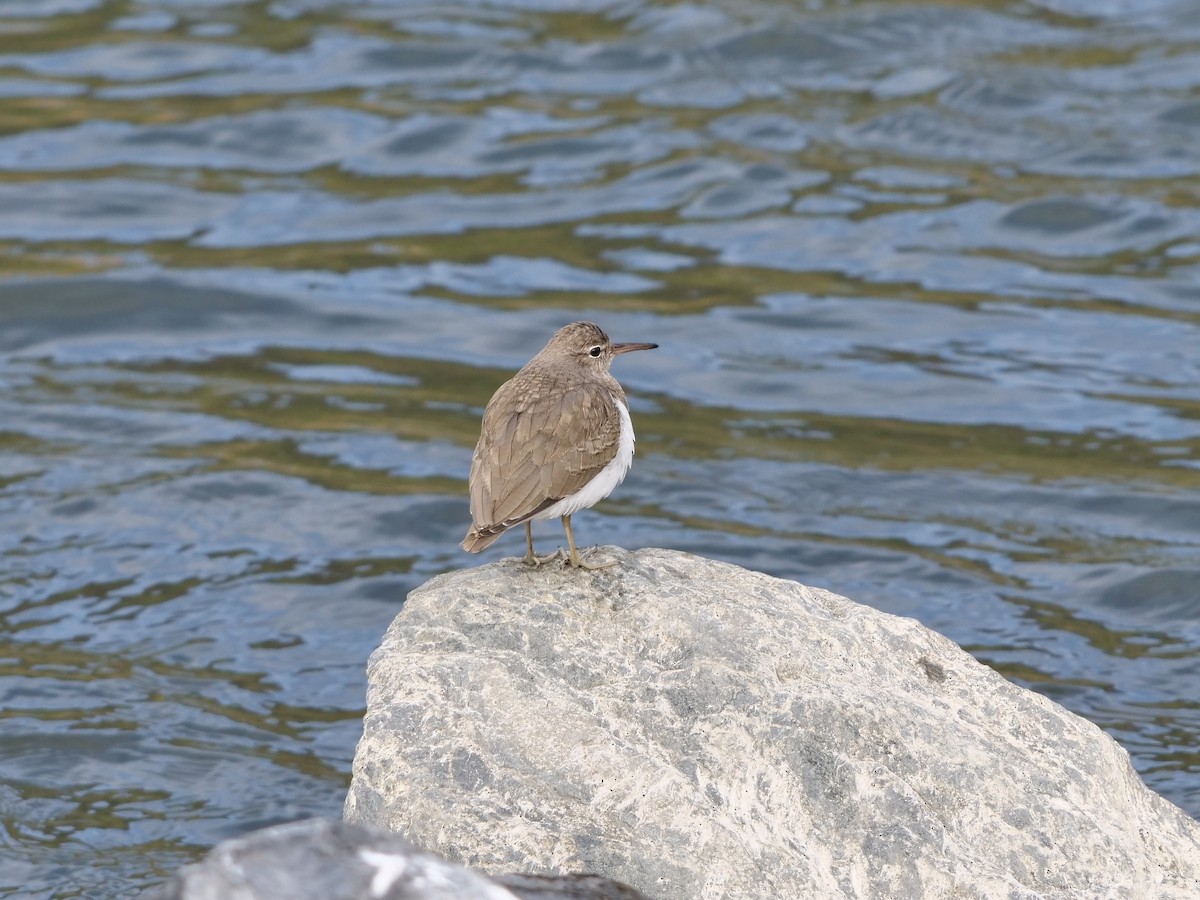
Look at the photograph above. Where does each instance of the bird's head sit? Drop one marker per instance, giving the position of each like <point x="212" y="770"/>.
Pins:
<point x="587" y="344"/>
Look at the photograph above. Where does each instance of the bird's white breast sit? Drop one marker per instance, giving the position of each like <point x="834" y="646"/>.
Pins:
<point x="606" y="479"/>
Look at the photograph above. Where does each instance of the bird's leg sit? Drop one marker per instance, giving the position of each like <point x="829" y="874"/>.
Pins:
<point x="573" y="557"/>
<point x="532" y="558"/>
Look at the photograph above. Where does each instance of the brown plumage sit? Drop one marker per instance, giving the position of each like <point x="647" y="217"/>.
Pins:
<point x="547" y="434"/>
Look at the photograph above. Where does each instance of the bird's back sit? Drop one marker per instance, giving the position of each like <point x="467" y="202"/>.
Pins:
<point x="546" y="433"/>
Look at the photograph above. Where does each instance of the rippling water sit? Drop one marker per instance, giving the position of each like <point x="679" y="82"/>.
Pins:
<point x="925" y="277"/>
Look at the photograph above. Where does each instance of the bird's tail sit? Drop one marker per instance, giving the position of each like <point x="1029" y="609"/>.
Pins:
<point x="480" y="538"/>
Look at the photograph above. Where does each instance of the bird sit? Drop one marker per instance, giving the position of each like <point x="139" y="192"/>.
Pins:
<point x="556" y="438"/>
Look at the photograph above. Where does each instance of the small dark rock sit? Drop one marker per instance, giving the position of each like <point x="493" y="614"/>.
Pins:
<point x="316" y="859"/>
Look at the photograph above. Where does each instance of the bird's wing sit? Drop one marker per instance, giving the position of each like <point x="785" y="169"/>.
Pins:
<point x="522" y="465"/>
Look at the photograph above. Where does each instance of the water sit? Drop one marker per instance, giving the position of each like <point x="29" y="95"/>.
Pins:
<point x="925" y="277"/>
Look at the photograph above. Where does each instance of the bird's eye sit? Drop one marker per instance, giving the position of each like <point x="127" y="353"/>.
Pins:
<point x="596" y="351"/>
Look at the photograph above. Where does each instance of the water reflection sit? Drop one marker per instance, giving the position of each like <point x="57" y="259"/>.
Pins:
<point x="923" y="277"/>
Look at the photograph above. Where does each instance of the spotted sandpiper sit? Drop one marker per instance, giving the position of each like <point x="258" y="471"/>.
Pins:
<point x="556" y="438"/>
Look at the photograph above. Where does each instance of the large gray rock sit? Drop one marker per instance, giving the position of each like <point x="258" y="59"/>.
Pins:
<point x="319" y="860"/>
<point x="701" y="731"/>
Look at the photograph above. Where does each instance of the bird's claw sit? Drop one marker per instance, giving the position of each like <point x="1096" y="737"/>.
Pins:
<point x="536" y="562"/>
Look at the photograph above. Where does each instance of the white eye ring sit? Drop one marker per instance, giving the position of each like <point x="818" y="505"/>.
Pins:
<point x="596" y="351"/>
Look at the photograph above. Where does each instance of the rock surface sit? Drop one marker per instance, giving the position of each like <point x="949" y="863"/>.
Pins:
<point x="319" y="860"/>
<point x="702" y="731"/>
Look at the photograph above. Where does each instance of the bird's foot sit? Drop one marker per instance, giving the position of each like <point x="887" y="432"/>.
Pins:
<point x="536" y="562"/>
<point x="582" y="560"/>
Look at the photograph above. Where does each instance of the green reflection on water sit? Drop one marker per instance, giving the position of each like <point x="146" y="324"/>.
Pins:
<point x="284" y="457"/>
<point x="70" y="661"/>
<point x="82" y="806"/>
<point x="338" y="570"/>
<point x="1128" y="643"/>
<point x="444" y="401"/>
<point x="1028" y="674"/>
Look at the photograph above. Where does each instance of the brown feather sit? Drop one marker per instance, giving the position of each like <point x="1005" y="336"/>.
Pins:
<point x="546" y="433"/>
<point x="532" y="453"/>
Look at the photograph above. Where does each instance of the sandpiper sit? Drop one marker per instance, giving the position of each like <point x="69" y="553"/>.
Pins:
<point x="556" y="438"/>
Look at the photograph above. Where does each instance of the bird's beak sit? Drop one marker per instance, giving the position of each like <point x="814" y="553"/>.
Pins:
<point x="628" y="348"/>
